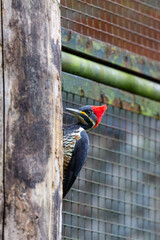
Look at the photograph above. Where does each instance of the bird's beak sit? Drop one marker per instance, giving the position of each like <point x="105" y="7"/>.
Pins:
<point x="78" y="114"/>
<point x="75" y="112"/>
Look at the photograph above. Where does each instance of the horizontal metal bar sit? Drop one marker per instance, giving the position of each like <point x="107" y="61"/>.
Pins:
<point x="103" y="93"/>
<point x="98" y="232"/>
<point x="118" y="14"/>
<point x="110" y="210"/>
<point x="109" y="222"/>
<point x="136" y="158"/>
<point x="128" y="132"/>
<point x="69" y="238"/>
<point x="126" y="166"/>
<point x="134" y="10"/>
<point x="148" y="5"/>
<point x="106" y="197"/>
<point x="127" y="143"/>
<point x="137" y="182"/>
<point x="121" y="189"/>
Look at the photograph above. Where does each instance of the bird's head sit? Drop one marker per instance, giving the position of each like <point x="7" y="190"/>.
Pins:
<point x="88" y="116"/>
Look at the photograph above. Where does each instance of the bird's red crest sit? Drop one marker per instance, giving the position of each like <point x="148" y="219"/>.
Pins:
<point x="99" y="111"/>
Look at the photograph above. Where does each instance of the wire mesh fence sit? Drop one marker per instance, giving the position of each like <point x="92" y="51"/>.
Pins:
<point x="129" y="24"/>
<point x="117" y="194"/>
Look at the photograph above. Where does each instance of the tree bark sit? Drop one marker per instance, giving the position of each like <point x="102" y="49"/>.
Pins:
<point x="33" y="120"/>
<point x="1" y="131"/>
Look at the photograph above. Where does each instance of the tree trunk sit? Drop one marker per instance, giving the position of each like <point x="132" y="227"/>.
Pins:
<point x="1" y="133"/>
<point x="33" y="120"/>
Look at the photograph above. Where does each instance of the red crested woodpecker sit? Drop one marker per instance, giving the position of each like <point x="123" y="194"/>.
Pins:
<point x="76" y="142"/>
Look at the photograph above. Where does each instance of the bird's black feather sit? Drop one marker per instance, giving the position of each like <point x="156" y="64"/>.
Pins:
<point x="75" y="141"/>
<point x="79" y="143"/>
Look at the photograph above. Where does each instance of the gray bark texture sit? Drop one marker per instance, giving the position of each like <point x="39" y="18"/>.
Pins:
<point x="1" y="134"/>
<point x="31" y="156"/>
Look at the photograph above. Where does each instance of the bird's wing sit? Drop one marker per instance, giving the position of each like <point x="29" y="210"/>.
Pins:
<point x="78" y="159"/>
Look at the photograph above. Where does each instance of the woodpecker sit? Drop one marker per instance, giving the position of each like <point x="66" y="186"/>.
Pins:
<point x="76" y="141"/>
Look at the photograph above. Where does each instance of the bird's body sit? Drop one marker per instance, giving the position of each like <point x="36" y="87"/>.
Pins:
<point x="75" y="147"/>
<point x="76" y="142"/>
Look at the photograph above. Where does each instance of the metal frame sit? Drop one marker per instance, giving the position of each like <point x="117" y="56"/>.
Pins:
<point x="106" y="52"/>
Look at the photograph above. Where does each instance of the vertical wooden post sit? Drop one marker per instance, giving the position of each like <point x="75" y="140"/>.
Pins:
<point x="33" y="120"/>
<point x="1" y="130"/>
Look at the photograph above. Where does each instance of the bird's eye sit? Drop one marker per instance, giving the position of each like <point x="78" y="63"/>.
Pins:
<point x="89" y="112"/>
